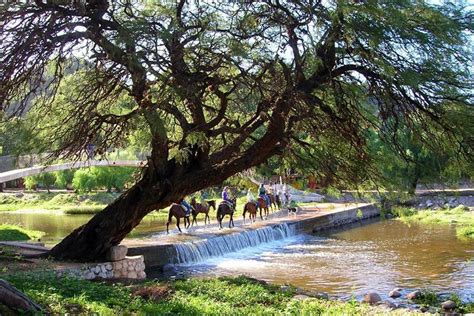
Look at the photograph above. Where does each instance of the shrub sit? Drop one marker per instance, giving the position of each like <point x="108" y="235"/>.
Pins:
<point x="17" y="233"/>
<point x="45" y="180"/>
<point x="64" y="178"/>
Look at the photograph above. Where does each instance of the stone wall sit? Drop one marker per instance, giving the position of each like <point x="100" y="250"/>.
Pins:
<point x="118" y="266"/>
<point x="130" y="268"/>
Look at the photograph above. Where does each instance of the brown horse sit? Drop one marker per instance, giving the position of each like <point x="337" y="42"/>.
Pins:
<point x="252" y="209"/>
<point x="224" y="209"/>
<point x="202" y="208"/>
<point x="273" y="202"/>
<point x="262" y="205"/>
<point x="178" y="212"/>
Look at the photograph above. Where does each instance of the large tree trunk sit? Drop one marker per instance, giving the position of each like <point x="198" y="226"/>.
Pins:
<point x="91" y="241"/>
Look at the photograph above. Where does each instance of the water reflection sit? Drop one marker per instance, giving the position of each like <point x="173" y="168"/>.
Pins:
<point x="58" y="226"/>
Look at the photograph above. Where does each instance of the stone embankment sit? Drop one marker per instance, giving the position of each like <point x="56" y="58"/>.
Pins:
<point x="118" y="266"/>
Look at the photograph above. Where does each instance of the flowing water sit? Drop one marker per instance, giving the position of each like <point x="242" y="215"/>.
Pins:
<point x="377" y="256"/>
<point x="57" y="226"/>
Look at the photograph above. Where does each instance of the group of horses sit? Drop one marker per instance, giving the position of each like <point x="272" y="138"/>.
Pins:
<point x="224" y="208"/>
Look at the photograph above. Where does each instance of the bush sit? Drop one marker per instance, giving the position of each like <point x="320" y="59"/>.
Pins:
<point x="84" y="180"/>
<point x="45" y="180"/>
<point x="17" y="233"/>
<point x="88" y="179"/>
<point x="64" y="178"/>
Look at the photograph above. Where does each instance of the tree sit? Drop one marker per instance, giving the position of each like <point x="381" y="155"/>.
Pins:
<point x="222" y="87"/>
<point x="45" y="180"/>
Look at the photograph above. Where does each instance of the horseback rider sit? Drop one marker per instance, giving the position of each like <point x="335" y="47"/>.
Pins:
<point x="262" y="192"/>
<point x="251" y="198"/>
<point x="186" y="205"/>
<point x="226" y="197"/>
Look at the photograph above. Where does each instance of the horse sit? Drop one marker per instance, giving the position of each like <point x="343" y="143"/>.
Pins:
<point x="273" y="201"/>
<point x="262" y="205"/>
<point x="252" y="209"/>
<point x="202" y="208"/>
<point x="224" y="209"/>
<point x="178" y="212"/>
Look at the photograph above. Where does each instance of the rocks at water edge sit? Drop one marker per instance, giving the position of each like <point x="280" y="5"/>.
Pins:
<point x="117" y="253"/>
<point x="414" y="295"/>
<point x="372" y="298"/>
<point x="387" y="305"/>
<point x="448" y="305"/>
<point x="395" y="293"/>
<point x="313" y="294"/>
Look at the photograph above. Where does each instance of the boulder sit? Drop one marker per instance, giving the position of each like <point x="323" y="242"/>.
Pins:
<point x="372" y="298"/>
<point x="387" y="304"/>
<point x="117" y="253"/>
<point x="429" y="203"/>
<point x="414" y="295"/>
<point x="395" y="293"/>
<point x="448" y="305"/>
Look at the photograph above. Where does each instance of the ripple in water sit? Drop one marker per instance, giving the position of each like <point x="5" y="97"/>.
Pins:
<point x="376" y="257"/>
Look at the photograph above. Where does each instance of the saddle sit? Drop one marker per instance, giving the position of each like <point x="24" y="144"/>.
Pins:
<point x="230" y="205"/>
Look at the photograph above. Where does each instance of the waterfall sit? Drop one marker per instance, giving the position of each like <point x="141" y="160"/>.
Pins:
<point x="200" y="250"/>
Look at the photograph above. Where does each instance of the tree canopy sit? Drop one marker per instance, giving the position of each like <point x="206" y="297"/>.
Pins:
<point x="223" y="86"/>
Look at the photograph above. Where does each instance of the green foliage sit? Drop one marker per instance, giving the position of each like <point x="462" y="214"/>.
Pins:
<point x="466" y="232"/>
<point x="459" y="216"/>
<point x="45" y="180"/>
<point x="88" y="179"/>
<point x="427" y="298"/>
<point x="84" y="180"/>
<point x="17" y="233"/>
<point x="68" y="202"/>
<point x="222" y="296"/>
<point x="64" y="178"/>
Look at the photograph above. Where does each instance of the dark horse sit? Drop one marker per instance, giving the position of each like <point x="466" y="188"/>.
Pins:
<point x="224" y="209"/>
<point x="178" y="211"/>
<point x="274" y="201"/>
<point x="202" y="208"/>
<point x="262" y="205"/>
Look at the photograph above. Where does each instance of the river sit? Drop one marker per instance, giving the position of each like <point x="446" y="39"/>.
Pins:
<point x="376" y="256"/>
<point x="373" y="256"/>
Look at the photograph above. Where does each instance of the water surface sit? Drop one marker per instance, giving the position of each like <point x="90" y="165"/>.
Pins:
<point x="57" y="225"/>
<point x="373" y="257"/>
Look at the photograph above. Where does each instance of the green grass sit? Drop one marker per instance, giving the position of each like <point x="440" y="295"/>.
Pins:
<point x="70" y="203"/>
<point x="218" y="296"/>
<point x="427" y="298"/>
<point x="459" y="216"/>
<point x="466" y="232"/>
<point x="17" y="233"/>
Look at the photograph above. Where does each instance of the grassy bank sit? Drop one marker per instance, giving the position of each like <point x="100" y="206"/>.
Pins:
<point x="70" y="203"/>
<point x="460" y="216"/>
<point x="16" y="233"/>
<point x="222" y="296"/>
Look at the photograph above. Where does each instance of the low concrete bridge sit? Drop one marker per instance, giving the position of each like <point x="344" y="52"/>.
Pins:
<point x="25" y="172"/>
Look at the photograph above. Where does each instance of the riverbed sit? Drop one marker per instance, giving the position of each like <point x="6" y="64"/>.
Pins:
<point x="373" y="256"/>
